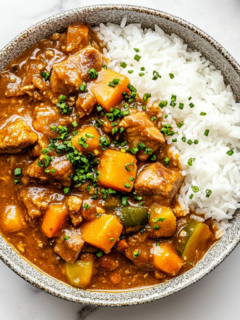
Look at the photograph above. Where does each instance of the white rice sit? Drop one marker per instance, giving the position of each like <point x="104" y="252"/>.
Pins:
<point x="194" y="77"/>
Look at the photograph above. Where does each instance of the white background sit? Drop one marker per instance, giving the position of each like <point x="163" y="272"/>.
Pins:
<point x="217" y="296"/>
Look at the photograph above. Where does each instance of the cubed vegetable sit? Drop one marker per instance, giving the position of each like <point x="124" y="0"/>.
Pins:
<point x="54" y="219"/>
<point x="80" y="273"/>
<point x="112" y="203"/>
<point x="162" y="221"/>
<point x="102" y="232"/>
<point x="108" y="95"/>
<point x="133" y="216"/>
<point x="87" y="140"/>
<point x="116" y="169"/>
<point x="195" y="236"/>
<point x="166" y="259"/>
<point x="12" y="220"/>
<point x="77" y="37"/>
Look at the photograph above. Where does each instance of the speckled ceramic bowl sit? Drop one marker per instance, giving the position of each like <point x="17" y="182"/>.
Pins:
<point x="196" y="39"/>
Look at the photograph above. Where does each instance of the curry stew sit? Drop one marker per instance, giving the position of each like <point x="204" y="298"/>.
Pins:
<point x="89" y="188"/>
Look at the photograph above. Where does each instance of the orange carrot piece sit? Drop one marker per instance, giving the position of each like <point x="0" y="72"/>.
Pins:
<point x="92" y="140"/>
<point x="102" y="232"/>
<point x="166" y="259"/>
<point x="12" y="219"/>
<point x="54" y="219"/>
<point x="116" y="169"/>
<point x="106" y="95"/>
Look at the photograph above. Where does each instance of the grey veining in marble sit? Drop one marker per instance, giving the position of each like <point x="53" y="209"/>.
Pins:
<point x="14" y="290"/>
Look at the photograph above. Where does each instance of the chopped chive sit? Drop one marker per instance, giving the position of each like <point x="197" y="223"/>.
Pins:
<point x="136" y="253"/>
<point x="17" y="172"/>
<point x="156" y="227"/>
<point x="86" y="206"/>
<point x="93" y="74"/>
<point x="230" y="152"/>
<point x="195" y="189"/>
<point x="129" y="166"/>
<point x="104" y="66"/>
<point x="53" y="170"/>
<point x="89" y="135"/>
<point x="146" y="96"/>
<point x="163" y="104"/>
<point x="66" y="190"/>
<point x="136" y="49"/>
<point x="127" y="185"/>
<point x="137" y="57"/>
<point x="124" y="201"/>
<point x="180" y="124"/>
<point x="166" y="115"/>
<point x="141" y="74"/>
<point x="66" y="238"/>
<point x="191" y="196"/>
<point x="111" y="239"/>
<point x="130" y="71"/>
<point x="190" y="161"/>
<point x="166" y="160"/>
<point x="208" y="193"/>
<point x="181" y="106"/>
<point x="195" y="142"/>
<point x="44" y="151"/>
<point x="202" y="113"/>
<point x="123" y="64"/>
<point x="153" y="119"/>
<point x="172" y="104"/>
<point x="142" y="69"/>
<point x="189" y="98"/>
<point x="171" y="75"/>
<point x="191" y="105"/>
<point x="131" y="178"/>
<point x="173" y="97"/>
<point x="114" y="130"/>
<point x="206" y="132"/>
<point x="174" y="140"/>
<point x="83" y="87"/>
<point x="53" y="128"/>
<point x="189" y="142"/>
<point x="121" y="130"/>
<point x="99" y="254"/>
<point x="74" y="124"/>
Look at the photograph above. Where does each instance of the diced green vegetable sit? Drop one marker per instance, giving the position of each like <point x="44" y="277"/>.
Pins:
<point x="194" y="236"/>
<point x="112" y="203"/>
<point x="133" y="216"/>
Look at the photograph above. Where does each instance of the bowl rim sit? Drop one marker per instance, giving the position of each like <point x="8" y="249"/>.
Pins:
<point x="131" y="298"/>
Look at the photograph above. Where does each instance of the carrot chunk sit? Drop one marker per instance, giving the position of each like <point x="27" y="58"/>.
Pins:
<point x="109" y="96"/>
<point x="166" y="259"/>
<point x="117" y="170"/>
<point x="87" y="140"/>
<point x="102" y="232"/>
<point x="12" y="219"/>
<point x="54" y="219"/>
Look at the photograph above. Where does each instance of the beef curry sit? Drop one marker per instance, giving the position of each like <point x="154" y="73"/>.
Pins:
<point x="89" y="188"/>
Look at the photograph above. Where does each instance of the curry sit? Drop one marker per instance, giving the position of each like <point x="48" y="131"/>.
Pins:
<point x="89" y="188"/>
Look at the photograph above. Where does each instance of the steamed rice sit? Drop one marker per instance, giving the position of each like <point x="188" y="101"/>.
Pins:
<point x="195" y="77"/>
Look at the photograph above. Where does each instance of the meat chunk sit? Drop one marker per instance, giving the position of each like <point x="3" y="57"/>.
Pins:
<point x="16" y="136"/>
<point x="44" y="117"/>
<point x="59" y="169"/>
<point x="42" y="143"/>
<point x="85" y="104"/>
<point x="139" y="251"/>
<point x="139" y="128"/>
<point x="77" y="37"/>
<point x="37" y="200"/>
<point x="69" y="245"/>
<point x="92" y="209"/>
<point x="159" y="180"/>
<point x="68" y="75"/>
<point x="109" y="262"/>
<point x="74" y="205"/>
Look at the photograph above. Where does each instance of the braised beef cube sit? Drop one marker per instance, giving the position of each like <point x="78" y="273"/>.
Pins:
<point x="140" y="129"/>
<point x="77" y="37"/>
<point x="91" y="209"/>
<point x="85" y="104"/>
<point x="37" y="200"/>
<point x="156" y="179"/>
<point x="109" y="262"/>
<point x="42" y="143"/>
<point x="16" y="136"/>
<point x="48" y="169"/>
<point x="69" y="245"/>
<point x="45" y="116"/>
<point x="74" y="205"/>
<point x="68" y="75"/>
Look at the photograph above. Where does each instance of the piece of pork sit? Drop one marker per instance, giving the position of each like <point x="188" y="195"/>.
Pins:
<point x="139" y="128"/>
<point x="156" y="179"/>
<point x="85" y="104"/>
<point x="74" y="205"/>
<point x="68" y="75"/>
<point x="69" y="245"/>
<point x="77" y="37"/>
<point x="16" y="136"/>
<point x="59" y="169"/>
<point x="37" y="200"/>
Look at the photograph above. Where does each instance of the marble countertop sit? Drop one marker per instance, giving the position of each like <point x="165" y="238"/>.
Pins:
<point x="214" y="297"/>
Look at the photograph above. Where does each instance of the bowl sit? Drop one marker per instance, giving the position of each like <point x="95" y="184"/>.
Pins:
<point x="196" y="39"/>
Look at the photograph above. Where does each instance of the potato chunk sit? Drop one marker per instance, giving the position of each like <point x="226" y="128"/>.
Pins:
<point x="102" y="232"/>
<point x="106" y="95"/>
<point x="16" y="136"/>
<point x="77" y="37"/>
<point x="87" y="140"/>
<point x="116" y="169"/>
<point x="12" y="219"/>
<point x="162" y="221"/>
<point x="166" y="259"/>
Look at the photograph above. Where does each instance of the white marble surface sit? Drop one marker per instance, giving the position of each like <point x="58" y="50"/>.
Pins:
<point x="214" y="297"/>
